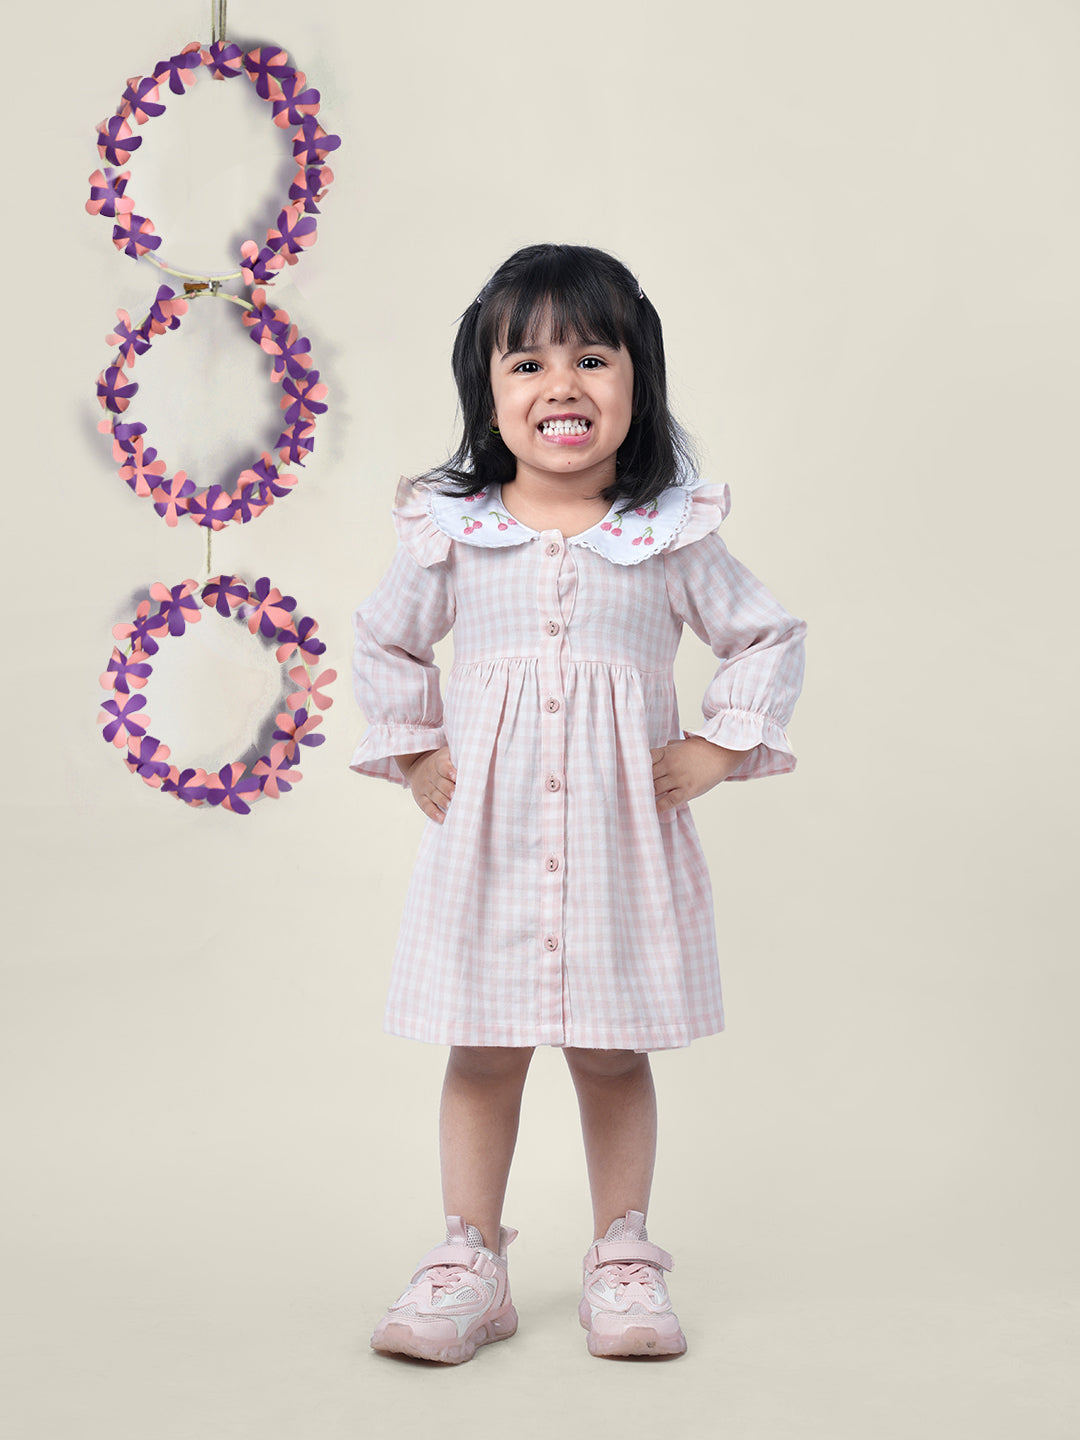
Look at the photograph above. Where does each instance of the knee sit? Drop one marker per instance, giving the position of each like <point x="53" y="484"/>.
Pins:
<point x="490" y="1064"/>
<point x="598" y="1065"/>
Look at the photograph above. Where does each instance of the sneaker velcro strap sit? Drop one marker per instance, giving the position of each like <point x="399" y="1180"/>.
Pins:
<point x="478" y="1262"/>
<point x="605" y="1252"/>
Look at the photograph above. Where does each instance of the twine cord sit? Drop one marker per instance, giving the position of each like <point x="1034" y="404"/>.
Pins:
<point x="217" y="20"/>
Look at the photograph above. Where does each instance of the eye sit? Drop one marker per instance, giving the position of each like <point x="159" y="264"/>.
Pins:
<point x="522" y="368"/>
<point x="592" y="362"/>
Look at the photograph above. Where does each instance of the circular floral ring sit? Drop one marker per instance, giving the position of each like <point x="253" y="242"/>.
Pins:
<point x="267" y="612"/>
<point x="256" y="488"/>
<point x="284" y="90"/>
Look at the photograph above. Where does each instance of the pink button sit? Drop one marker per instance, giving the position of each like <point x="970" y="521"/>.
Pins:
<point x="551" y="705"/>
<point x="554" y="548"/>
<point x="553" y="627"/>
<point x="551" y="942"/>
<point x="554" y="783"/>
<point x="553" y="862"/>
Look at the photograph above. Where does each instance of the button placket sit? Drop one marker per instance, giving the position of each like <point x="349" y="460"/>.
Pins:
<point x="552" y="653"/>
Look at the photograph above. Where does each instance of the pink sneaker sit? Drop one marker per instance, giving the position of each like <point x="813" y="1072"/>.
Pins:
<point x="625" y="1307"/>
<point x="458" y="1299"/>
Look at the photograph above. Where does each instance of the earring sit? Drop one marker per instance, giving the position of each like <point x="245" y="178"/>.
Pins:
<point x="493" y="429"/>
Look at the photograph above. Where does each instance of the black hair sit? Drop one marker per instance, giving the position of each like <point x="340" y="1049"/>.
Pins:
<point x="585" y="294"/>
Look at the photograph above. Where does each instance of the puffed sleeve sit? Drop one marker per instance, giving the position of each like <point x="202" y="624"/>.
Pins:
<point x="760" y="648"/>
<point x="394" y="675"/>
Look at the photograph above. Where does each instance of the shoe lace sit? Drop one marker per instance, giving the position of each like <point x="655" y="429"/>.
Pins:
<point x="628" y="1272"/>
<point x="445" y="1277"/>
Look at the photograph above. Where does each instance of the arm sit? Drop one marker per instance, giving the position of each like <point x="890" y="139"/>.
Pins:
<point x="394" y="673"/>
<point x="760" y="649"/>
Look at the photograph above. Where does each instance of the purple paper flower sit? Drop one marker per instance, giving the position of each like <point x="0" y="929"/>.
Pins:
<point x="310" y="185"/>
<point x="259" y="267"/>
<point x="247" y="502"/>
<point x="307" y="397"/>
<point x="294" y="232"/>
<point x="296" y="729"/>
<point x="186" y="785"/>
<point x="141" y="631"/>
<point x="166" y="310"/>
<point x="134" y="235"/>
<point x="112" y="393"/>
<point x="229" y="786"/>
<point x="267" y="67"/>
<point x="224" y="592"/>
<point x="116" y="143"/>
<point x="269" y="485"/>
<point x="212" y="508"/>
<point x="263" y="321"/>
<point x="126" y="437"/>
<point x="130" y="342"/>
<point x="295" y="442"/>
<point x="271" y="609"/>
<point x="224" y="61"/>
<point x="149" y="759"/>
<point x="126" y="672"/>
<point x="299" y="636"/>
<point x="291" y="353"/>
<point x="123" y="724"/>
<point x="311" y="143"/>
<point x="140" y="99"/>
<point x="180" y="69"/>
<point x="177" y="606"/>
<point x="107" y="193"/>
<point x="293" y="101"/>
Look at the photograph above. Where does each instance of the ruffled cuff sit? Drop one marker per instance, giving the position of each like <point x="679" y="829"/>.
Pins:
<point x="762" y="737"/>
<point x="375" y="753"/>
<point x="709" y="505"/>
<point x="416" y="529"/>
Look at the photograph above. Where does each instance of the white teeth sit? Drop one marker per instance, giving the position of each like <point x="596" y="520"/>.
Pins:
<point x="564" y="427"/>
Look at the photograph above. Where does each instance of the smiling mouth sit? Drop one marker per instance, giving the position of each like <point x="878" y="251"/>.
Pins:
<point x="574" y="425"/>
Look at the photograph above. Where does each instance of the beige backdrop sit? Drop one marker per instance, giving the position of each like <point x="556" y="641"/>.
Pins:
<point x="860" y="225"/>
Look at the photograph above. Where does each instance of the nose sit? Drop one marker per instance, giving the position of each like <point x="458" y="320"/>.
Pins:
<point x="562" y="381"/>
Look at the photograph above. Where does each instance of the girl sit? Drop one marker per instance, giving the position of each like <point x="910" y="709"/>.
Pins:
<point x="560" y="896"/>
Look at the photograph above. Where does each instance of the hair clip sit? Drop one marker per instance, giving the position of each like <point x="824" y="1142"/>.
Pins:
<point x="640" y="292"/>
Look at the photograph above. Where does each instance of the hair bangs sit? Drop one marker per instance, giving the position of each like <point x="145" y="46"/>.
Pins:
<point x="561" y="309"/>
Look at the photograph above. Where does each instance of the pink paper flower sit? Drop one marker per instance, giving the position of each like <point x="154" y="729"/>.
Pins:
<point x="172" y="497"/>
<point x="142" y="471"/>
<point x="275" y="771"/>
<point x="310" y="691"/>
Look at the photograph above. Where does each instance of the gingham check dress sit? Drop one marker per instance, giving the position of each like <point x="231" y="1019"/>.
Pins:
<point x="554" y="906"/>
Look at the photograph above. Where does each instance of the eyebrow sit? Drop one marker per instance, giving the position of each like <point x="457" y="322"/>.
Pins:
<point x="580" y="344"/>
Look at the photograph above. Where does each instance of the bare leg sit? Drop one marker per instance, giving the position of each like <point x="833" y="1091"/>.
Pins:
<point x="478" y="1124"/>
<point x="618" y="1124"/>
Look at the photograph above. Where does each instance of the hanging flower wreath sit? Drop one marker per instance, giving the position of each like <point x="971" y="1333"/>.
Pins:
<point x="264" y="482"/>
<point x="267" y="612"/>
<point x="284" y="90"/>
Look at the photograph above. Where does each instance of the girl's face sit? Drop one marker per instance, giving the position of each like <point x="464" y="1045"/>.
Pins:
<point x="564" y="409"/>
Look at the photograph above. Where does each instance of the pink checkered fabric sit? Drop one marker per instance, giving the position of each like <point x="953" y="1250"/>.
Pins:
<point x="554" y="906"/>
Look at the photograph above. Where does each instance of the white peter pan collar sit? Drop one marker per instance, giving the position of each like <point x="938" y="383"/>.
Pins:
<point x="626" y="535"/>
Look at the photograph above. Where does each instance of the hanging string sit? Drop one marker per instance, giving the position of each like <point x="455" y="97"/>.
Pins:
<point x="217" y="20"/>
